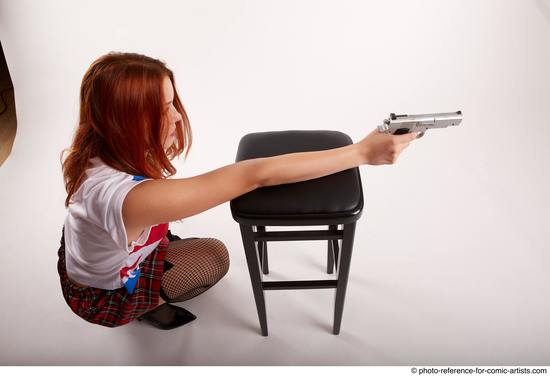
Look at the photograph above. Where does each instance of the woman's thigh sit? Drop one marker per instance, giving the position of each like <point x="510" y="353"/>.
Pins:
<point x="194" y="265"/>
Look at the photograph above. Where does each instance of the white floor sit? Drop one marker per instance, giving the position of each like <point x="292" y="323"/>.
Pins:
<point x="462" y="302"/>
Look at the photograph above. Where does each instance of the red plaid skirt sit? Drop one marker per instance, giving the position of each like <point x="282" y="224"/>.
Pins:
<point x="115" y="307"/>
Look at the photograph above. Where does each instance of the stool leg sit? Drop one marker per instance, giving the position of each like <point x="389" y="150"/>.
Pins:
<point x="260" y="252"/>
<point x="262" y="249"/>
<point x="255" y="276"/>
<point x="336" y="253"/>
<point x="343" y="273"/>
<point x="330" y="251"/>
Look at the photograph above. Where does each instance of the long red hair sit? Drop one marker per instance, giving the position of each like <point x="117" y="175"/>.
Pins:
<point x="122" y="116"/>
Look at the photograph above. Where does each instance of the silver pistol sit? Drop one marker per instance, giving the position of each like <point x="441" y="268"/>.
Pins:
<point x="401" y="124"/>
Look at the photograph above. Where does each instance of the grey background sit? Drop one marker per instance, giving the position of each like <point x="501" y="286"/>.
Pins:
<point x="450" y="264"/>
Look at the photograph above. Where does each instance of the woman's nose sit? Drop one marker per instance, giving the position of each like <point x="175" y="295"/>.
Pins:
<point x="176" y="117"/>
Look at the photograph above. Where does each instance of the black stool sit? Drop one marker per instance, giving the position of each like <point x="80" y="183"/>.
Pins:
<point x="335" y="200"/>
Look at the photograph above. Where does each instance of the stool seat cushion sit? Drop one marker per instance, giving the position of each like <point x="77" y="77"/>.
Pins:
<point x="333" y="196"/>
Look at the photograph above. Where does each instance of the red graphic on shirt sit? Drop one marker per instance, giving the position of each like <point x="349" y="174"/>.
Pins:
<point x="157" y="233"/>
<point x="124" y="272"/>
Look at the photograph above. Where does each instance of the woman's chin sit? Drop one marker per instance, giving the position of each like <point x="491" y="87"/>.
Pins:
<point x="168" y="146"/>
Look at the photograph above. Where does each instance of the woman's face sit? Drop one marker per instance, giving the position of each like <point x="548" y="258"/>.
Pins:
<point x="172" y="115"/>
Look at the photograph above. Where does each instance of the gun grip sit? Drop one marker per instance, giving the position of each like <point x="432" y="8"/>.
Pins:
<point x="401" y="131"/>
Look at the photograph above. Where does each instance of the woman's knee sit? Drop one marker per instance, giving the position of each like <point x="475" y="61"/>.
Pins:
<point x="204" y="263"/>
<point x="220" y="255"/>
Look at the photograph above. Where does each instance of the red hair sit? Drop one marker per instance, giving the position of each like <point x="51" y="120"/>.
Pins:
<point x="122" y="116"/>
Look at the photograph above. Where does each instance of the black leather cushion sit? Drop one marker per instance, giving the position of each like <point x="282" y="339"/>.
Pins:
<point x="332" y="196"/>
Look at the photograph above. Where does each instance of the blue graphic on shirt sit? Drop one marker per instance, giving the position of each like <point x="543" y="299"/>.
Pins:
<point x="138" y="178"/>
<point x="130" y="284"/>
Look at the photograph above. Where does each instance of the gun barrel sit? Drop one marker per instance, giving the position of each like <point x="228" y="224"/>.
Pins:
<point x="421" y="122"/>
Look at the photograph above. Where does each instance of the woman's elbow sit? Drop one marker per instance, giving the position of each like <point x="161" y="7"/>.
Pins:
<point x="254" y="173"/>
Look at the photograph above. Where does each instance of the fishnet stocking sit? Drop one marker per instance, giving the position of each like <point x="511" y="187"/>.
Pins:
<point x="198" y="264"/>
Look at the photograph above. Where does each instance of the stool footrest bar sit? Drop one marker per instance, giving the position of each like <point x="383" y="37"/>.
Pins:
<point x="294" y="285"/>
<point x="298" y="235"/>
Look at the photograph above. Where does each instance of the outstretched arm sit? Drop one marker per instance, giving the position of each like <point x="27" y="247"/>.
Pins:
<point x="167" y="200"/>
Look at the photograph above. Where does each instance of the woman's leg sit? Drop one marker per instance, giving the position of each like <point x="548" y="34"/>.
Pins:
<point x="161" y="301"/>
<point x="193" y="265"/>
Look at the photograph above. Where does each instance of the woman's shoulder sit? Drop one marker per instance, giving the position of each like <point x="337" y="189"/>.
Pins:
<point x="99" y="169"/>
<point x="102" y="181"/>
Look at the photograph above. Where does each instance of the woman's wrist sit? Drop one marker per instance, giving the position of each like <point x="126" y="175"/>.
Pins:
<point x="362" y="152"/>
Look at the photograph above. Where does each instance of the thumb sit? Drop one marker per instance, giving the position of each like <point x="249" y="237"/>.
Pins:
<point x="407" y="137"/>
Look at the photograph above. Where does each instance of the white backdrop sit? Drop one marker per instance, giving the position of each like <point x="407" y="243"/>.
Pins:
<point x="451" y="261"/>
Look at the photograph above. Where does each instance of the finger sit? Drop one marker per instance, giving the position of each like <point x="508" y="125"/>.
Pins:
<point x="404" y="146"/>
<point x="401" y="148"/>
<point x="407" y="137"/>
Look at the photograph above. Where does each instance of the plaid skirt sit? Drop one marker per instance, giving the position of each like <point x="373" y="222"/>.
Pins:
<point x="113" y="308"/>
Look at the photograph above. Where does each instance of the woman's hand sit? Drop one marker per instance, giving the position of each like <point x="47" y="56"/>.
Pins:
<point x="383" y="148"/>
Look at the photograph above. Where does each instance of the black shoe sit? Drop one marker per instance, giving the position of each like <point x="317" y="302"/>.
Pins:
<point x="168" y="316"/>
<point x="172" y="237"/>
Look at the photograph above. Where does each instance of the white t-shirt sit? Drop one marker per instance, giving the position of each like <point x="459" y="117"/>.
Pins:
<point x="96" y="244"/>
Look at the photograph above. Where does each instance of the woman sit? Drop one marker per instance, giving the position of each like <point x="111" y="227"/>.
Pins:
<point x="117" y="259"/>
